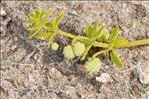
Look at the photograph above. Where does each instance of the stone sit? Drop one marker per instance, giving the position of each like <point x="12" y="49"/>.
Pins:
<point x="141" y="75"/>
<point x="3" y="13"/>
<point x="104" y="78"/>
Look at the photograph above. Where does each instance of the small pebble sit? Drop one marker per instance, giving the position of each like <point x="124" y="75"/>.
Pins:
<point x="55" y="74"/>
<point x="13" y="47"/>
<point x="143" y="76"/>
<point x="3" y="13"/>
<point x="81" y="68"/>
<point x="104" y="78"/>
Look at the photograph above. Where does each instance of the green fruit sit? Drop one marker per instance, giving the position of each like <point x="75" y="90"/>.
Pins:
<point x="79" y="48"/>
<point x="93" y="66"/>
<point x="54" y="46"/>
<point x="68" y="52"/>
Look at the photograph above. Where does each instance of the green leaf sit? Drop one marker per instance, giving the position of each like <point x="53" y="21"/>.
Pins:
<point x="39" y="13"/>
<point x="33" y="34"/>
<point x="32" y="19"/>
<point x="114" y="34"/>
<point x="60" y="17"/>
<point x="106" y="35"/>
<point x="49" y="26"/>
<point x="44" y="35"/>
<point x="94" y="29"/>
<point x="91" y="32"/>
<point x="34" y="28"/>
<point x="120" y="42"/>
<point x="88" y="31"/>
<point x="100" y="33"/>
<point x="51" y="38"/>
<point x="47" y="15"/>
<point x="33" y="14"/>
<point x="28" y="22"/>
<point x="115" y="58"/>
<point x="54" y="24"/>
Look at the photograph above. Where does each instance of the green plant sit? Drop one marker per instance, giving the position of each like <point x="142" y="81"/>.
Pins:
<point x="81" y="45"/>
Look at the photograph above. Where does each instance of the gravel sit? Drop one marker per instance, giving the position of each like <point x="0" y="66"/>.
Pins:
<point x="31" y="71"/>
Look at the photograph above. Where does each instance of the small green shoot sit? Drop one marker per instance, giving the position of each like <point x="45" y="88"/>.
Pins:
<point x="81" y="45"/>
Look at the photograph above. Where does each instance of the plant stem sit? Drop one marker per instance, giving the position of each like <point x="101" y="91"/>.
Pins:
<point x="100" y="44"/>
<point x="100" y="52"/>
<point x="86" y="51"/>
<point x="51" y="38"/>
<point x="33" y="34"/>
<point x="83" y="39"/>
<point x="136" y="43"/>
<point x="80" y="38"/>
<point x="67" y="34"/>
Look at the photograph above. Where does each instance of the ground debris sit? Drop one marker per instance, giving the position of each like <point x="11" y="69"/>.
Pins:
<point x="104" y="78"/>
<point x="141" y="75"/>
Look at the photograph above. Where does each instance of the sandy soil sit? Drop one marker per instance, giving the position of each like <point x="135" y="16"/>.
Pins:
<point x="32" y="72"/>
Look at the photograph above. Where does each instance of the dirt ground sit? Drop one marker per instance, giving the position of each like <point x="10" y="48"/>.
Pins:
<point x="32" y="72"/>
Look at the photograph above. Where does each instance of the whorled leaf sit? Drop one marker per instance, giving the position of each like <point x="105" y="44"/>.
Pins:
<point x="100" y="33"/>
<point x="39" y="13"/>
<point x="35" y="16"/>
<point x="49" y="26"/>
<point x="91" y="31"/>
<point x="54" y="24"/>
<point x="114" y="34"/>
<point x="34" y="33"/>
<point x="48" y="12"/>
<point x="105" y="35"/>
<point x="60" y="17"/>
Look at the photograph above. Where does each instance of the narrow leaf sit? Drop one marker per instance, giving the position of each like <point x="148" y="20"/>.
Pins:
<point x="60" y="17"/>
<point x="54" y="24"/>
<point x="100" y="33"/>
<point x="33" y="19"/>
<point x="50" y="39"/>
<point x="114" y="34"/>
<point x="94" y="29"/>
<point x="49" y="26"/>
<point x="115" y="58"/>
<point x="47" y="15"/>
<point x="28" y="22"/>
<point x="39" y="13"/>
<point x="120" y="42"/>
<point x="34" y="28"/>
<point x="33" y="34"/>
<point x="88" y="30"/>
